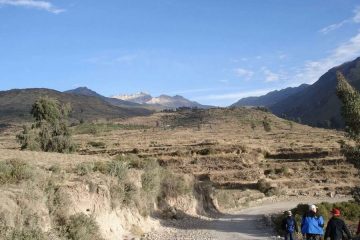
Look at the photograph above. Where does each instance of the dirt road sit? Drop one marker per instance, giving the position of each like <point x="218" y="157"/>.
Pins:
<point x="246" y="224"/>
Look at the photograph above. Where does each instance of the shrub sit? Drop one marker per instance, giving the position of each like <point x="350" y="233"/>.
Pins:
<point x="28" y="140"/>
<point x="15" y="171"/>
<point x="118" y="169"/>
<point x="263" y="186"/>
<point x="85" y="168"/>
<point x="25" y="234"/>
<point x="150" y="179"/>
<point x="97" y="144"/>
<point x="82" y="227"/>
<point x="101" y="166"/>
<point x="173" y="185"/>
<point x="205" y="151"/>
<point x="266" y="124"/>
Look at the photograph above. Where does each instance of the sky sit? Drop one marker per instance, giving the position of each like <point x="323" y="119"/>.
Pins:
<point x="211" y="51"/>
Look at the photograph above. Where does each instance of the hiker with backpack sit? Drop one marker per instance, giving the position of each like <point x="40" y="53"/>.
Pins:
<point x="336" y="227"/>
<point x="312" y="224"/>
<point x="289" y="226"/>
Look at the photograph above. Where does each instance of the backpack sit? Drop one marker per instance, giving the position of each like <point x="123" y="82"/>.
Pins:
<point x="290" y="224"/>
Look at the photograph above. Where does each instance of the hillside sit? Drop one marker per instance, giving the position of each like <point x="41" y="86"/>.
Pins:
<point x="213" y="160"/>
<point x="318" y="104"/>
<point x="270" y="98"/>
<point x="15" y="105"/>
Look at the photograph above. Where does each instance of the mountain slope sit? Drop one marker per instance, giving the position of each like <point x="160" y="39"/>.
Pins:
<point x="163" y="101"/>
<point x="270" y="98"/>
<point x="318" y="104"/>
<point x="88" y="92"/>
<point x="15" y="105"/>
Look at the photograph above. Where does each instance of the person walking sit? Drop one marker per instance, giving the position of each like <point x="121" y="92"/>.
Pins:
<point x="312" y="224"/>
<point x="336" y="227"/>
<point x="289" y="226"/>
<point x="358" y="230"/>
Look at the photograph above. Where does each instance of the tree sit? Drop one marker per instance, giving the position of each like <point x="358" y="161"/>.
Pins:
<point x="350" y="111"/>
<point x="49" y="132"/>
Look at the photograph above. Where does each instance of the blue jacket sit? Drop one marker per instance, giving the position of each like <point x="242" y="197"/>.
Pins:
<point x="312" y="224"/>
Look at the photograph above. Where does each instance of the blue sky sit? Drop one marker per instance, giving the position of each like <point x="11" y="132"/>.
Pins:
<point x="211" y="51"/>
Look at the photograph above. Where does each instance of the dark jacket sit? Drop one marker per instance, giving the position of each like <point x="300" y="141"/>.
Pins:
<point x="335" y="229"/>
<point x="358" y="230"/>
<point x="289" y="224"/>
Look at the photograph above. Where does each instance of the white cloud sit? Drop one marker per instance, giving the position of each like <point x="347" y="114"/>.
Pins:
<point x="344" y="52"/>
<point x="332" y="27"/>
<point x="356" y="17"/>
<point x="41" y="5"/>
<point x="270" y="76"/>
<point x="244" y="73"/>
<point x="235" y="96"/>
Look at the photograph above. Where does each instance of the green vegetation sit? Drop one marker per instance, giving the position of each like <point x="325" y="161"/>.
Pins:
<point x="22" y="234"/>
<point x="173" y="185"/>
<point x="350" y="111"/>
<point x="49" y="132"/>
<point x="15" y="171"/>
<point x="82" y="227"/>
<point x="97" y="128"/>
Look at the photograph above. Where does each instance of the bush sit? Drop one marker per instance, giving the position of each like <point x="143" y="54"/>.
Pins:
<point x="266" y="124"/>
<point x="28" y="140"/>
<point x="263" y="186"/>
<point x="15" y="171"/>
<point x="205" y="151"/>
<point x="85" y="168"/>
<point x="173" y="185"/>
<point x="24" y="234"/>
<point x="150" y="179"/>
<point x="97" y="144"/>
<point x="82" y="227"/>
<point x="118" y="169"/>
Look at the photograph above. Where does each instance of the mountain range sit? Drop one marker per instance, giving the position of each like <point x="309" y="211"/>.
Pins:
<point x="316" y="104"/>
<point x="270" y="98"/>
<point x="163" y="101"/>
<point x="15" y="105"/>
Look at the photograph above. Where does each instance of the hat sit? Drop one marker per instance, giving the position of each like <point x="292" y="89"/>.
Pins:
<point x="289" y="213"/>
<point x="312" y="207"/>
<point x="335" y="211"/>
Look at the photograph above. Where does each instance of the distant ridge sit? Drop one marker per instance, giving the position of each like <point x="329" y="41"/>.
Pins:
<point x="270" y="98"/>
<point x="318" y="104"/>
<point x="15" y="105"/>
<point x="314" y="105"/>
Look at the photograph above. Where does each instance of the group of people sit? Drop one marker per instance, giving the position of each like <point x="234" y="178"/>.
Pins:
<point x="312" y="226"/>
